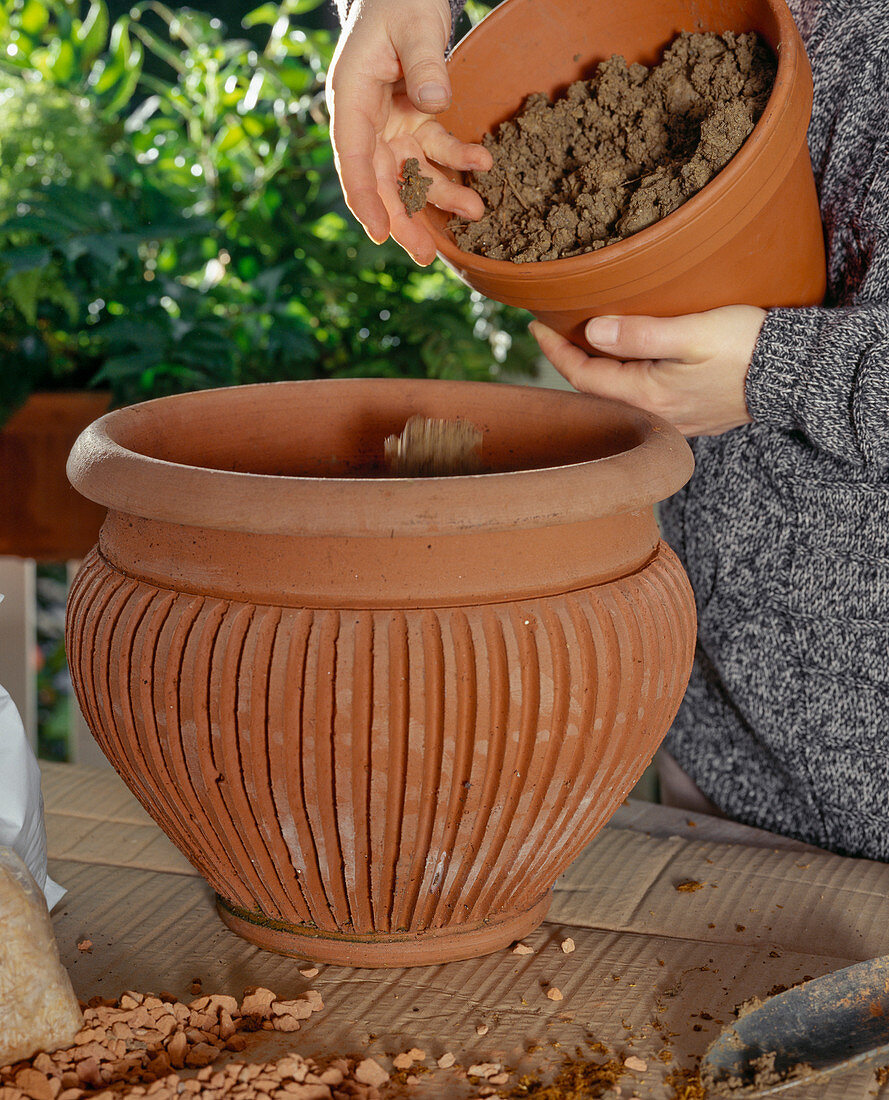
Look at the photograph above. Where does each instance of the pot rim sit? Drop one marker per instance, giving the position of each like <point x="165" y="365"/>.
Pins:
<point x="105" y="466"/>
<point x="779" y="108"/>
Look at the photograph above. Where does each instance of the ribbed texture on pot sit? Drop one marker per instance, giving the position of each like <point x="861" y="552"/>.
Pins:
<point x="381" y="771"/>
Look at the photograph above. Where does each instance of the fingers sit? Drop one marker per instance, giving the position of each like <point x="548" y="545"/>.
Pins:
<point x="359" y="186"/>
<point x="410" y="233"/>
<point x="590" y="374"/>
<point x="682" y="338"/>
<point x="420" y="40"/>
<point x="352" y="103"/>
<point x="568" y="359"/>
<point x="453" y="197"/>
<point x="689" y="370"/>
<point x="445" y="148"/>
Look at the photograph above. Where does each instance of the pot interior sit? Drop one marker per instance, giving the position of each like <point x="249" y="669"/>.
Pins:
<point x="337" y="429"/>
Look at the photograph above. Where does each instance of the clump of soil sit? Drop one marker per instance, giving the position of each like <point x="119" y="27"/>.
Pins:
<point x="617" y="152"/>
<point x="412" y="186"/>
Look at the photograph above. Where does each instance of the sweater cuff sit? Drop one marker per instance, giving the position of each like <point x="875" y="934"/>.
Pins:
<point x="783" y="355"/>
<point x="342" y="10"/>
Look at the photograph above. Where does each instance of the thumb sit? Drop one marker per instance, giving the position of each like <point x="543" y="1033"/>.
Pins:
<point x="422" y="55"/>
<point x="630" y="338"/>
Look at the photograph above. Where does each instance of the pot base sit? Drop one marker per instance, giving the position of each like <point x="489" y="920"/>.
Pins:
<point x="385" y="949"/>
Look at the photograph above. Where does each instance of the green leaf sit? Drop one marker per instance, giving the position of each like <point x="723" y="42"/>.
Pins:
<point x="123" y="92"/>
<point x="264" y="14"/>
<point x="27" y="289"/>
<point x="119" y="367"/>
<point x="26" y="258"/>
<point x="92" y="34"/>
<point x="33" y="17"/>
<point x="105" y="75"/>
<point x="298" y="7"/>
<point x="64" y="61"/>
<point x="159" y="47"/>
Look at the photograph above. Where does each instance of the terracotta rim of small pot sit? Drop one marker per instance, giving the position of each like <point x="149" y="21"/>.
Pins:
<point x="772" y="146"/>
<point x="113" y="462"/>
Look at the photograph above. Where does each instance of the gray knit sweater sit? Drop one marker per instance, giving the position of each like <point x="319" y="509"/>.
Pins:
<point x="784" y="527"/>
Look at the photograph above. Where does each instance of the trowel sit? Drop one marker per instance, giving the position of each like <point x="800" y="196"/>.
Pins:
<point x="832" y="1023"/>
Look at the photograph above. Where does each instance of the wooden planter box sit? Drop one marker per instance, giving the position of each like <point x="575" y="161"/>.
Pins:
<point x="41" y="516"/>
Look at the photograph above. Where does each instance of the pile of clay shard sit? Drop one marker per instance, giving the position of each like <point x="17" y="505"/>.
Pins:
<point x="617" y="152"/>
<point x="434" y="448"/>
<point x="157" y="1046"/>
<point x="144" y="1045"/>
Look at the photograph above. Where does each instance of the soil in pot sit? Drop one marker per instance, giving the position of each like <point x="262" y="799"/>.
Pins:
<point x="619" y="151"/>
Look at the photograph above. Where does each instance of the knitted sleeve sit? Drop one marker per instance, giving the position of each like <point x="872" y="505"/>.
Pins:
<point x="824" y="372"/>
<point x="343" y="6"/>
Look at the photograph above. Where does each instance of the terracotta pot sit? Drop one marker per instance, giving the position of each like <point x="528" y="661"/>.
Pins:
<point x="752" y="235"/>
<point x="379" y="715"/>
<point x="40" y="514"/>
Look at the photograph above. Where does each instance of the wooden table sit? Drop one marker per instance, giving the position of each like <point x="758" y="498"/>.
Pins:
<point x="654" y="971"/>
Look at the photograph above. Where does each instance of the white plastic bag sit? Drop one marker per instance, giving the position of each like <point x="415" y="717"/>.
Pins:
<point x="38" y="1008"/>
<point x="22" y="827"/>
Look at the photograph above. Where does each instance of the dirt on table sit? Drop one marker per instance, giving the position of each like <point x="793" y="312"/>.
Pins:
<point x="619" y="151"/>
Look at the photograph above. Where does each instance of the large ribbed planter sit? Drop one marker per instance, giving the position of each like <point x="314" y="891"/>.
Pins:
<point x="752" y="236"/>
<point x="379" y="715"/>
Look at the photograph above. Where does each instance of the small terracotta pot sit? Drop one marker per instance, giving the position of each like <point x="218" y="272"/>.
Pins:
<point x="40" y="514"/>
<point x="379" y="715"/>
<point x="753" y="235"/>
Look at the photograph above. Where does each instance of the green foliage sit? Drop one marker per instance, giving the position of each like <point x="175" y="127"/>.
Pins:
<point x="160" y="233"/>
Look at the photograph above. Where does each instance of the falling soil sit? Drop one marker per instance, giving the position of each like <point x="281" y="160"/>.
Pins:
<point x="619" y="151"/>
<point x="434" y="448"/>
<point x="412" y="187"/>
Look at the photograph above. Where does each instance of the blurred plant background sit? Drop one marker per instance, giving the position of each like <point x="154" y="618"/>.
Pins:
<point x="170" y="219"/>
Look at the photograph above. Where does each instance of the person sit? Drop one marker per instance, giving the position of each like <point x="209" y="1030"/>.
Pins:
<point x="784" y="527"/>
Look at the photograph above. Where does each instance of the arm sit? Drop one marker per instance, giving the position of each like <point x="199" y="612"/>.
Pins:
<point x="825" y="373"/>
<point x="344" y="6"/>
<point x="822" y="372"/>
<point x="689" y="370"/>
<point x="387" y="81"/>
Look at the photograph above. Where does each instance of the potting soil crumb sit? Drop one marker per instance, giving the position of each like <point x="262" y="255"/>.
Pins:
<point x="412" y="187"/>
<point x="686" y="1084"/>
<point x="764" y="1074"/>
<point x="576" y="1079"/>
<point x="619" y="151"/>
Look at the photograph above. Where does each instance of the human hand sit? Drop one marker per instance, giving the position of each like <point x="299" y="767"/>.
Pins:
<point x="689" y="370"/>
<point x="387" y="80"/>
